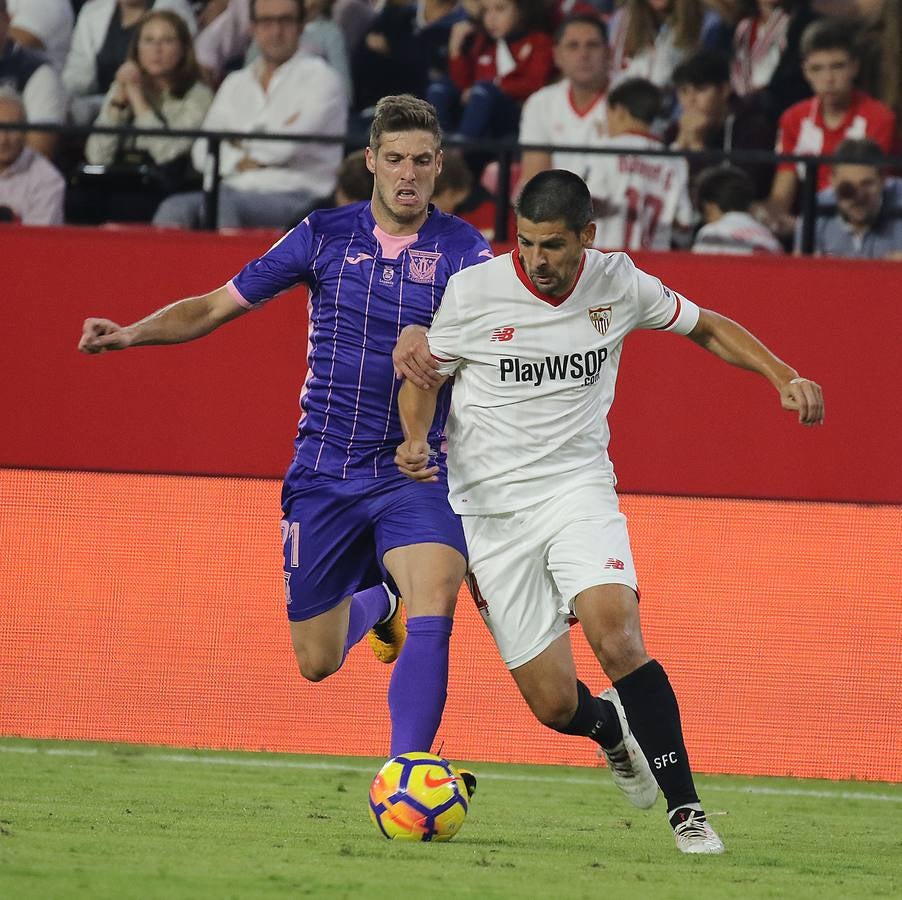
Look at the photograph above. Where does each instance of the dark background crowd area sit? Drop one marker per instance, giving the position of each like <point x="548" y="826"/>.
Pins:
<point x="234" y="65"/>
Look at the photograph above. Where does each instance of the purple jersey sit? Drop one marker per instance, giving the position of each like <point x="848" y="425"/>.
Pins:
<point x="365" y="286"/>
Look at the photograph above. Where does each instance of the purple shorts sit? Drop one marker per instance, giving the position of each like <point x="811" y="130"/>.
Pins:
<point x="335" y="532"/>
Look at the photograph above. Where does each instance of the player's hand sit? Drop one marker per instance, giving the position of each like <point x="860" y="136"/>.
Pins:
<point x="806" y="397"/>
<point x="99" y="335"/>
<point x="413" y="459"/>
<point x="412" y="359"/>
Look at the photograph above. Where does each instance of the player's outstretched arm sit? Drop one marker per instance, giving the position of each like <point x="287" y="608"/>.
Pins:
<point x="181" y="321"/>
<point x="417" y="410"/>
<point x="413" y="360"/>
<point x="732" y="343"/>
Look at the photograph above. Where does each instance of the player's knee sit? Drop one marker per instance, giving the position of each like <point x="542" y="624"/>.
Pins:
<point x="554" y="712"/>
<point x="317" y="667"/>
<point x="621" y="654"/>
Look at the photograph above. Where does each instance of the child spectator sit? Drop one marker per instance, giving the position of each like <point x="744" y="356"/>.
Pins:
<point x="835" y="112"/>
<point x="724" y="196"/>
<point x="31" y="189"/>
<point x="493" y="70"/>
<point x="711" y="118"/>
<point x="641" y="201"/>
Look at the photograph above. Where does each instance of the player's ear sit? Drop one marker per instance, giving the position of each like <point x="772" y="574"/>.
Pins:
<point x="587" y="235"/>
<point x="439" y="160"/>
<point x="370" y="159"/>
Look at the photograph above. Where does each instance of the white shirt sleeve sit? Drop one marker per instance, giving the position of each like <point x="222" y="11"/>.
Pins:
<point x="80" y="70"/>
<point x="44" y="96"/>
<point x="661" y="308"/>
<point x="45" y="19"/>
<point x="533" y="124"/>
<point x="222" y="116"/>
<point x="445" y="335"/>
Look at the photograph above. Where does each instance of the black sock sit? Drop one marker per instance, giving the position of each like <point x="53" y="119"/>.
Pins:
<point x="594" y="718"/>
<point x="654" y="718"/>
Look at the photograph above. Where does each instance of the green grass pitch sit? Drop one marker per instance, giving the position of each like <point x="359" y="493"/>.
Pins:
<point x="119" y="821"/>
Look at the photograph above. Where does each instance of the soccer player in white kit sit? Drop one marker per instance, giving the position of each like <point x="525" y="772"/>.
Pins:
<point x="533" y="339"/>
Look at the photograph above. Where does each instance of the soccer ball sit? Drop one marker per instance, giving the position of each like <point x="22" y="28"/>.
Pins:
<point x="418" y="797"/>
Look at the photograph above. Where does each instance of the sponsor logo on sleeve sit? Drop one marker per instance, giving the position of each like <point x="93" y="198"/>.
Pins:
<point x="502" y="334"/>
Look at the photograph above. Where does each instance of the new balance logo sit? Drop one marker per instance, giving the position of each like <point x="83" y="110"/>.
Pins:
<point x="359" y="258"/>
<point x="502" y="334"/>
<point x="614" y="563"/>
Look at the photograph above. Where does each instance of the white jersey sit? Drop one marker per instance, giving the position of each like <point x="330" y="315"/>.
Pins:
<point x="549" y="117"/>
<point x="736" y="232"/>
<point x="639" y="198"/>
<point x="535" y="374"/>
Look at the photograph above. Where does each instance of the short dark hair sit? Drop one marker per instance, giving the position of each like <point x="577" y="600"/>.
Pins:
<point x="302" y="10"/>
<point x="582" y="19"/>
<point x="556" y="195"/>
<point x="859" y="152"/>
<point x="701" y="69"/>
<point x="827" y="34"/>
<point x="403" y="112"/>
<point x="354" y="178"/>
<point x="640" y="98"/>
<point x="455" y="174"/>
<point x="728" y="188"/>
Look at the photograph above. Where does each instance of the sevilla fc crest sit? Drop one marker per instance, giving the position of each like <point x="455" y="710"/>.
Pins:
<point x="600" y="317"/>
<point x="422" y="266"/>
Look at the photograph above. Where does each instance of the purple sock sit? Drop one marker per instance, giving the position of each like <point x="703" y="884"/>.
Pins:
<point x="367" y="608"/>
<point x="419" y="685"/>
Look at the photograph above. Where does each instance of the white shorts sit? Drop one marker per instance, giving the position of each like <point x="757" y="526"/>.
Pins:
<point x="528" y="566"/>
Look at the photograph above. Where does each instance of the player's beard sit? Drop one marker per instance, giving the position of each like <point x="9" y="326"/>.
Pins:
<point x="404" y="215"/>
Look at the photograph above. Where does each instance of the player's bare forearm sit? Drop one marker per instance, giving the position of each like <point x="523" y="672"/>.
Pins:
<point x="184" y="320"/>
<point x="734" y="344"/>
<point x="416" y="408"/>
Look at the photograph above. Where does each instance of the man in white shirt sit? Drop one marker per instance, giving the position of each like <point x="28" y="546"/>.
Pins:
<point x="640" y="200"/>
<point x="31" y="189"/>
<point x="267" y="183"/>
<point x="27" y="73"/>
<point x="572" y="111"/>
<point x="533" y="339"/>
<point x="43" y="25"/>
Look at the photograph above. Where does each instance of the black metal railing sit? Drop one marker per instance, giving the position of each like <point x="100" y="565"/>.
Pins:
<point x="505" y="151"/>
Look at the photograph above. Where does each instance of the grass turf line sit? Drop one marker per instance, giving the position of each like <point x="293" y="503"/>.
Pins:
<point x="125" y="821"/>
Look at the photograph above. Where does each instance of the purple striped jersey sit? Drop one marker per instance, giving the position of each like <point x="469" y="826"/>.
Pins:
<point x="364" y="287"/>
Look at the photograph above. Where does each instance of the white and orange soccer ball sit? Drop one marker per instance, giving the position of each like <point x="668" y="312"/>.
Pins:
<point x="418" y="797"/>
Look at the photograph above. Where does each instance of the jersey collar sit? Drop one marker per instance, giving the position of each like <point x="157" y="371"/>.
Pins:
<point x="527" y="283"/>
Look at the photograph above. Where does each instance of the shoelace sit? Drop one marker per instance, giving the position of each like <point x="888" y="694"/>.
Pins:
<point x="693" y="827"/>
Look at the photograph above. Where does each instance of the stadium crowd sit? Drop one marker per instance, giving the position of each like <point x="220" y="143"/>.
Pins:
<point x="820" y="77"/>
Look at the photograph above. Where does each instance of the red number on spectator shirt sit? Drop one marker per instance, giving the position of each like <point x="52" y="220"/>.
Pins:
<point x="647" y="216"/>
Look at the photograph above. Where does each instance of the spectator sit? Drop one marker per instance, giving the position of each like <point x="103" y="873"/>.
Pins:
<point x="836" y="111"/>
<point x="711" y="118"/>
<point x="100" y="42"/>
<point x="353" y="17"/>
<point x="31" y="189"/>
<point x="224" y="38"/>
<point x="42" y="25"/>
<point x="405" y="48"/>
<point x="724" y="196"/>
<point x="571" y="111"/>
<point x="266" y="183"/>
<point x="353" y="183"/>
<point x="453" y="185"/>
<point x="649" y="38"/>
<point x="642" y="201"/>
<point x="880" y="53"/>
<point x="323" y="38"/>
<point x="157" y="87"/>
<point x="28" y="74"/>
<point x="867" y="223"/>
<point x="493" y="70"/>
<point x="767" y="68"/>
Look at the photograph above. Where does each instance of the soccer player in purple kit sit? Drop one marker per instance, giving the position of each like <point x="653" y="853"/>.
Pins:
<point x="351" y="520"/>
